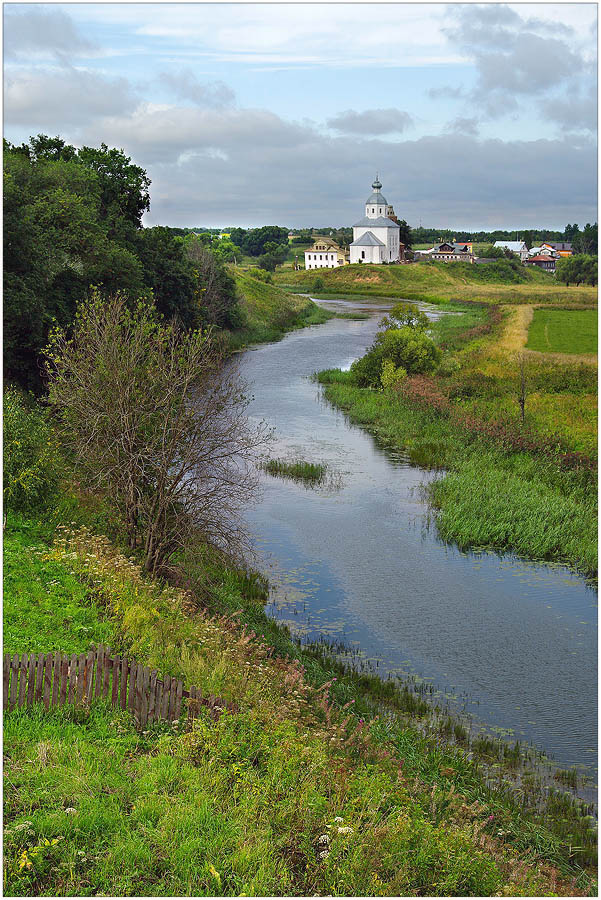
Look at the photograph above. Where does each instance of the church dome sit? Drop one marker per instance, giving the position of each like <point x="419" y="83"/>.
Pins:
<point x="376" y="199"/>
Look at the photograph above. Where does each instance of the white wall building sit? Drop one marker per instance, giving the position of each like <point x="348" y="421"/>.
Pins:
<point x="324" y="254"/>
<point x="375" y="236"/>
<point x="518" y="247"/>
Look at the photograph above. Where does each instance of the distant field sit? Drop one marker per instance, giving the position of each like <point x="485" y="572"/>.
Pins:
<point x="563" y="331"/>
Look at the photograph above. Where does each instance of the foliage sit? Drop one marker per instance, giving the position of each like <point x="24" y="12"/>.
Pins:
<point x="155" y="421"/>
<point x="318" y="284"/>
<point x="168" y="274"/>
<point x="563" y="331"/>
<point x="405" y="315"/>
<point x="586" y="241"/>
<point x="216" y="296"/>
<point x="32" y="457"/>
<point x="408" y="347"/>
<point x="392" y="377"/>
<point x="261" y="275"/>
<point x="578" y="269"/>
<point x="254" y="241"/>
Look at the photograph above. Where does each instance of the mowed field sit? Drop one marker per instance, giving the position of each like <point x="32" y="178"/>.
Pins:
<point x="563" y="331"/>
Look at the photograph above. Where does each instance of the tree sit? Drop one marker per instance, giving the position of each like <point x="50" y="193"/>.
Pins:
<point x="169" y="274"/>
<point x="405" y="235"/>
<point x="407" y="348"/>
<point x="586" y="241"/>
<point x="155" y="421"/>
<point x="577" y="269"/>
<point x="215" y="292"/>
<point x="405" y="314"/>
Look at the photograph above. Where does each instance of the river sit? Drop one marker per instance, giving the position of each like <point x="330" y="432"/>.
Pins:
<point x="359" y="561"/>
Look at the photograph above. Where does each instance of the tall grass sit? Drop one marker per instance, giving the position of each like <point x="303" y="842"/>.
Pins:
<point x="489" y="498"/>
<point x="297" y="470"/>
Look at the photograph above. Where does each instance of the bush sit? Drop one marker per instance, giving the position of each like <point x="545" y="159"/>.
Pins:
<point x="408" y="348"/>
<point x="392" y="376"/>
<point x="32" y="463"/>
<point x="261" y="275"/>
<point x="318" y="284"/>
<point x="450" y="365"/>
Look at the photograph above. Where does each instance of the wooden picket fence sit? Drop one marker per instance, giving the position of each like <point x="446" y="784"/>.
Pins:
<point x="56" y="678"/>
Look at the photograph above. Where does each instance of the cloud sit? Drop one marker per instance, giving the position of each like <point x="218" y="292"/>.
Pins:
<point x="184" y="85"/>
<point x="37" y="30"/>
<point x="574" y="112"/>
<point x="371" y="121"/>
<point x="519" y="60"/>
<point x="463" y="126"/>
<point x="251" y="167"/>
<point x="58" y="98"/>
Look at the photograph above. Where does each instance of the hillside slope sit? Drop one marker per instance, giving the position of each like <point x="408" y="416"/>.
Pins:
<point x="268" y="311"/>
<point x="438" y="281"/>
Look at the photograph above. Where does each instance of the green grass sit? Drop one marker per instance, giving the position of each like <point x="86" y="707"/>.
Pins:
<point x="489" y="498"/>
<point x="46" y="607"/>
<point x="269" y="312"/>
<point x="297" y="470"/>
<point x="436" y="283"/>
<point x="563" y="331"/>
<point x="239" y="806"/>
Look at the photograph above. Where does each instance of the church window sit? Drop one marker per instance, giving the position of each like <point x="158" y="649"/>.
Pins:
<point x="363" y="254"/>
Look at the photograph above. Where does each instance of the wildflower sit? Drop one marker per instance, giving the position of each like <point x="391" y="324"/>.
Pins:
<point x="339" y="819"/>
<point x="324" y="854"/>
<point x="346" y="829"/>
<point x="323" y="839"/>
<point x="71" y="811"/>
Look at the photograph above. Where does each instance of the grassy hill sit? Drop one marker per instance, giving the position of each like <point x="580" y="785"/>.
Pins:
<point x="439" y="281"/>
<point x="268" y="311"/>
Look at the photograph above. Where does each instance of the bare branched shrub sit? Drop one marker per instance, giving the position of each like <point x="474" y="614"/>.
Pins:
<point x="155" y="419"/>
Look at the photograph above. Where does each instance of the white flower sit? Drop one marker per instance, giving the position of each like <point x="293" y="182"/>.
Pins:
<point x="323" y="839"/>
<point x="71" y="810"/>
<point x="345" y="830"/>
<point x="339" y="819"/>
<point x="324" y="854"/>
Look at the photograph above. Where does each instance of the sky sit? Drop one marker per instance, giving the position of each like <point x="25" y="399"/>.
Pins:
<point x="475" y="116"/>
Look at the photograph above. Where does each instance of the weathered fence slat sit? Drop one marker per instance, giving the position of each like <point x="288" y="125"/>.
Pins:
<point x="152" y="691"/>
<point x="14" y="680"/>
<point x="47" y="679"/>
<point x="57" y="678"/>
<point x="5" y="680"/>
<point x="31" y="676"/>
<point x="98" y="678"/>
<point x="178" y="700"/>
<point x="72" y="677"/>
<point x="21" y="697"/>
<point x="106" y="676"/>
<point x="123" y="685"/>
<point x="39" y="680"/>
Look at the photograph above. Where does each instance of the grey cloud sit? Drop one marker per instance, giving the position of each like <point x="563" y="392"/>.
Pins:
<point x="448" y="92"/>
<point x="184" y="85"/>
<point x="251" y="167"/>
<point x="65" y="97"/>
<point x="46" y="30"/>
<point x="463" y="126"/>
<point x="573" y="113"/>
<point x="517" y="59"/>
<point x="371" y="121"/>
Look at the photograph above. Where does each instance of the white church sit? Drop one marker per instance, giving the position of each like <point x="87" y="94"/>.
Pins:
<point x="376" y="236"/>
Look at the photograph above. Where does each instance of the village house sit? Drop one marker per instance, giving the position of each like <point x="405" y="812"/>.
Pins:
<point x="564" y="248"/>
<point x="376" y="236"/>
<point x="448" y="251"/>
<point x="543" y="261"/>
<point x="325" y="254"/>
<point x="517" y="247"/>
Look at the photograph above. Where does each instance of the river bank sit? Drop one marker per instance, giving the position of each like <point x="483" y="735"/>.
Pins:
<point x="338" y="799"/>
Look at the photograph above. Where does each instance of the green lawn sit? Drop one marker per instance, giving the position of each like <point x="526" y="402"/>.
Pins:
<point x="563" y="331"/>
